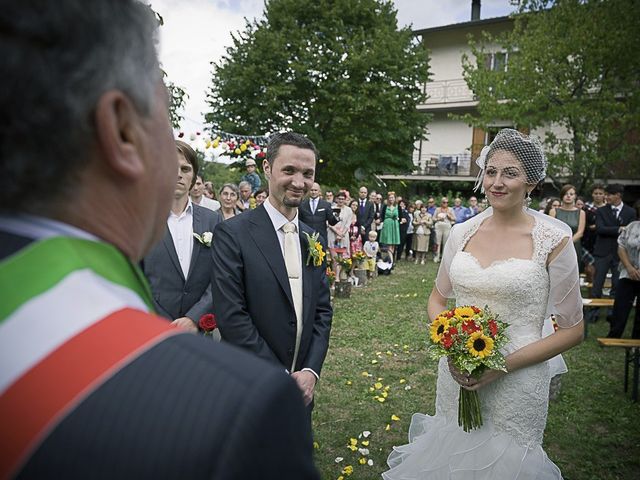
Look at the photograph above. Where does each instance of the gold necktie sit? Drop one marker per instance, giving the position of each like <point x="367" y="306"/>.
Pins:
<point x="291" y="259"/>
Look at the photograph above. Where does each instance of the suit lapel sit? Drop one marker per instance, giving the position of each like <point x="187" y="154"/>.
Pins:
<point x="197" y="246"/>
<point x="307" y="270"/>
<point x="167" y="241"/>
<point x="266" y="239"/>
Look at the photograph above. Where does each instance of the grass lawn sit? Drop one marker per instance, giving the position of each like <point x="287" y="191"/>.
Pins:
<point x="378" y="348"/>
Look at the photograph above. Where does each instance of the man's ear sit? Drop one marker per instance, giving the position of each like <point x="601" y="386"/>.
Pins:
<point x="266" y="168"/>
<point x="119" y="134"/>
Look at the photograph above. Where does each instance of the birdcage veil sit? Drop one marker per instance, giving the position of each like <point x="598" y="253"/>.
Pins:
<point x="526" y="148"/>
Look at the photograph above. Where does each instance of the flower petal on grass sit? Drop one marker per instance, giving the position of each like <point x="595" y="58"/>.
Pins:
<point x="338" y="459"/>
<point x="395" y="418"/>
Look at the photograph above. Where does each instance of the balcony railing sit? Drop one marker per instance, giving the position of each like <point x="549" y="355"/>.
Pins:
<point x="455" y="164"/>
<point x="448" y="91"/>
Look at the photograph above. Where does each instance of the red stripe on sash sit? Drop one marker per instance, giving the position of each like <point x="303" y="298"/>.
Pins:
<point x="39" y="400"/>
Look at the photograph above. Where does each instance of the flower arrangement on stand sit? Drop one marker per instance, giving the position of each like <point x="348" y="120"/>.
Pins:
<point x="359" y="257"/>
<point x="345" y="264"/>
<point x="471" y="337"/>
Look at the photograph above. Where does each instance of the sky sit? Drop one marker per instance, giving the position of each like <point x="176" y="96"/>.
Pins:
<point x="196" y="33"/>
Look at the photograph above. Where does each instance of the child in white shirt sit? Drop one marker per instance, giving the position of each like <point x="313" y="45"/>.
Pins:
<point x="371" y="249"/>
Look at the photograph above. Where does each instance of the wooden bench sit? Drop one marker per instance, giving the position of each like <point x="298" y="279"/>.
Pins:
<point x="594" y="303"/>
<point x="631" y="356"/>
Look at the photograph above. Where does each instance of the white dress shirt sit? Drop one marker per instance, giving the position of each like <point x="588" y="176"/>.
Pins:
<point x="209" y="203"/>
<point x="181" y="229"/>
<point x="278" y="220"/>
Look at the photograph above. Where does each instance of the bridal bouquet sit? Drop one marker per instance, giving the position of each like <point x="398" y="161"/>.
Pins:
<point x="471" y="337"/>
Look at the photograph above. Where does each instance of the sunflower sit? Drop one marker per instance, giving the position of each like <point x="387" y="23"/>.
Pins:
<point x="439" y="326"/>
<point x="464" y="313"/>
<point x="479" y="345"/>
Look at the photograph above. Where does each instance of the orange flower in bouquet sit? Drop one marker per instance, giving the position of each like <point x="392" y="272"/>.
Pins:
<point x="471" y="337"/>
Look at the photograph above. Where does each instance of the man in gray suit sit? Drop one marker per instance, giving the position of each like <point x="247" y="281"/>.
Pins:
<point x="179" y="267"/>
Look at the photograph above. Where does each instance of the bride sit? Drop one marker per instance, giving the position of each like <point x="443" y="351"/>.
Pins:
<point x="522" y="265"/>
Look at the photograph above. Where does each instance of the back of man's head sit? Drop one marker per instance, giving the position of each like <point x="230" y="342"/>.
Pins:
<point x="58" y="59"/>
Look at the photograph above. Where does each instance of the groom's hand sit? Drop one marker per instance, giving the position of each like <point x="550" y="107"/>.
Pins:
<point x="307" y="383"/>
<point x="185" y="323"/>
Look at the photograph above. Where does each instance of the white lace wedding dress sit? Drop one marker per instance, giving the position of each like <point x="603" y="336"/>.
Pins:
<point x="514" y="408"/>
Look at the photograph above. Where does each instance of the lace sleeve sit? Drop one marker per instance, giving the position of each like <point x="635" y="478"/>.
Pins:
<point x="565" y="299"/>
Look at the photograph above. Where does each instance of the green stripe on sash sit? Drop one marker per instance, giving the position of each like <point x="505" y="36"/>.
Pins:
<point x="41" y="265"/>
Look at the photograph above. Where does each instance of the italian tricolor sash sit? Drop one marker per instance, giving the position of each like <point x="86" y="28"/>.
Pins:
<point x="72" y="313"/>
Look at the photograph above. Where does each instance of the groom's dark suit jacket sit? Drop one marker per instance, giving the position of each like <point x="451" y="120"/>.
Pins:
<point x="252" y="297"/>
<point x="187" y="408"/>
<point x="173" y="295"/>
<point x="608" y="229"/>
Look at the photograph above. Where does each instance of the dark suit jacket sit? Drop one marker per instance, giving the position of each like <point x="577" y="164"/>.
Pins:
<point x="365" y="218"/>
<point x="608" y="229"/>
<point x="173" y="295"/>
<point x="252" y="298"/>
<point x="187" y="408"/>
<point x="318" y="220"/>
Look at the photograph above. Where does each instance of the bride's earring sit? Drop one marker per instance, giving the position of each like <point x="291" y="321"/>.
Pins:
<point x="527" y="200"/>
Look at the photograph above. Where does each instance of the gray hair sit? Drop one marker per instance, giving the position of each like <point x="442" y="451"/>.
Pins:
<point x="59" y="58"/>
<point x="243" y="183"/>
<point x="231" y="186"/>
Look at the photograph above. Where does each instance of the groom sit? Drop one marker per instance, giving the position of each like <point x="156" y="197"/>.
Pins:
<point x="267" y="297"/>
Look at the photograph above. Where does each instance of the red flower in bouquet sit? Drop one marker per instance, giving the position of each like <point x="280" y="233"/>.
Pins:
<point x="471" y="337"/>
<point x="207" y="323"/>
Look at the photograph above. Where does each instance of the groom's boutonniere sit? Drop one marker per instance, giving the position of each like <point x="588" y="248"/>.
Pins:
<point x="205" y="239"/>
<point x="315" y="252"/>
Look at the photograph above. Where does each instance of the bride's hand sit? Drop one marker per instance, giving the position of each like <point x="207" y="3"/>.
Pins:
<point x="469" y="382"/>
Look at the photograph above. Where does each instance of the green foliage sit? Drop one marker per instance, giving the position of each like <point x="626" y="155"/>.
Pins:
<point x="177" y="100"/>
<point x="575" y="65"/>
<point x="219" y="174"/>
<point x="338" y="71"/>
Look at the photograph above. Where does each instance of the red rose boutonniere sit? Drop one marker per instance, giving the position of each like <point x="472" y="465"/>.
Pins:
<point x="208" y="324"/>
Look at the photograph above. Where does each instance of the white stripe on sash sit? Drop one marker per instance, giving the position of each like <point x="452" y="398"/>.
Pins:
<point x="48" y="320"/>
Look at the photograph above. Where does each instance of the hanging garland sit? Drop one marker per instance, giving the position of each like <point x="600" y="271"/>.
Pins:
<point x="224" y="144"/>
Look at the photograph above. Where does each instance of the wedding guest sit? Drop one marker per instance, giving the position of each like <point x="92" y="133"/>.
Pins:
<point x="209" y="190"/>
<point x="410" y="253"/>
<point x="179" y="267"/>
<point x="244" y="196"/>
<point x="229" y="201"/>
<point x="285" y="316"/>
<point x="251" y="176"/>
<point x="328" y="196"/>
<point x="422" y="223"/>
<point x="597" y="201"/>
<point x="611" y="220"/>
<point x="390" y="235"/>
<point x="260" y="196"/>
<point x="317" y="213"/>
<point x="355" y="240"/>
<point x="405" y="222"/>
<point x="338" y="234"/>
<point x="198" y="197"/>
<point x="385" y="261"/>
<point x="628" y="289"/>
<point x="366" y="213"/>
<point x="443" y="219"/>
<point x="377" y="211"/>
<point x="570" y="214"/>
<point x="371" y="248"/>
<point x="552" y="203"/>
<point x="88" y="172"/>
<point x="473" y="205"/>
<point x="461" y="212"/>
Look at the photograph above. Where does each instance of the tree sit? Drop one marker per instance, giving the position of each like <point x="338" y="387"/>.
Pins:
<point x="338" y="71"/>
<point x="575" y="64"/>
<point x="177" y="100"/>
